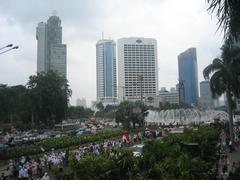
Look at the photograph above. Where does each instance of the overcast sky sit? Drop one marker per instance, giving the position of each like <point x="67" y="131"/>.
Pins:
<point x="176" y="25"/>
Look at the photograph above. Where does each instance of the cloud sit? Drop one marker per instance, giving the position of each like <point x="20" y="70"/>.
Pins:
<point x="177" y="25"/>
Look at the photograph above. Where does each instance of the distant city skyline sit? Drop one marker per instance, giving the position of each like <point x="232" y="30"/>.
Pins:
<point x="176" y="25"/>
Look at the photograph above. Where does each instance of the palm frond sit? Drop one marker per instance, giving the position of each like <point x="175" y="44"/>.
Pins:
<point x="228" y="13"/>
<point x="217" y="84"/>
<point x="216" y="65"/>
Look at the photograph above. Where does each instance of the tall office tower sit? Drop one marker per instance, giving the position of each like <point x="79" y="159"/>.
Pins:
<point x="206" y="99"/>
<point x="51" y="53"/>
<point x="106" y="71"/>
<point x="137" y="68"/>
<point x="188" y="76"/>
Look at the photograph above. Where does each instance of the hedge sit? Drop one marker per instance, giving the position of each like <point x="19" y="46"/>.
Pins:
<point x="56" y="143"/>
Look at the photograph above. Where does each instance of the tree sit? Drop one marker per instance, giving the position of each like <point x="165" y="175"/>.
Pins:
<point x="224" y="73"/>
<point x="14" y="105"/>
<point x="228" y="13"/>
<point x="131" y="112"/>
<point x="100" y="106"/>
<point x="123" y="113"/>
<point x="139" y="113"/>
<point x="49" y="94"/>
<point x="78" y="112"/>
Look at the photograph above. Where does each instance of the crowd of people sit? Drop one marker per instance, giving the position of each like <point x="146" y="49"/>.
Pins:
<point x="37" y="168"/>
<point x="226" y="146"/>
<point x="27" y="168"/>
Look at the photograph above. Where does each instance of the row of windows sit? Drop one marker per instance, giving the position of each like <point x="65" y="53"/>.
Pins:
<point x="140" y="69"/>
<point x="133" y="77"/>
<point x="138" y="50"/>
<point x="138" y="95"/>
<point x="139" y="59"/>
<point x="143" y="66"/>
<point x="152" y="88"/>
<point x="133" y="46"/>
<point x="135" y="62"/>
<point x="134" y="65"/>
<point x="140" y="54"/>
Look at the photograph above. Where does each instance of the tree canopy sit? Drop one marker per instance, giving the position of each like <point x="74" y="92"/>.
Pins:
<point x="49" y="94"/>
<point x="79" y="112"/>
<point x="43" y="101"/>
<point x="228" y="13"/>
<point x="224" y="77"/>
<point x="131" y="113"/>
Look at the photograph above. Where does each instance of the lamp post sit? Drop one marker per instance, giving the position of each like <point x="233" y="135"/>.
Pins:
<point x="8" y="46"/>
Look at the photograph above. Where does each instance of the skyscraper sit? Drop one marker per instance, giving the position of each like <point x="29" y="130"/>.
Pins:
<point x="137" y="68"/>
<point x="51" y="53"/>
<point x="206" y="99"/>
<point x="188" y="76"/>
<point x="106" y="70"/>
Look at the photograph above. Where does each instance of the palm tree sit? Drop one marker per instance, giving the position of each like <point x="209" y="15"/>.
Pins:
<point x="228" y="13"/>
<point x="225" y="78"/>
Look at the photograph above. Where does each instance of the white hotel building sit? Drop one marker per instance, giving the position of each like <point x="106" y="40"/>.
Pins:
<point x="137" y="66"/>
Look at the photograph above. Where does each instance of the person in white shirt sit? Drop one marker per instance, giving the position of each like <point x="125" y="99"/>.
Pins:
<point x="21" y="173"/>
<point x="45" y="176"/>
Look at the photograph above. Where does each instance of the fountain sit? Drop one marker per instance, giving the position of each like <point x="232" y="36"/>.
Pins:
<point x="184" y="116"/>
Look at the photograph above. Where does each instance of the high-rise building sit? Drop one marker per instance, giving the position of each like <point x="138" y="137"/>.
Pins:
<point x="188" y="76"/>
<point x="137" y="68"/>
<point x="206" y="99"/>
<point x="170" y="97"/>
<point x="106" y="71"/>
<point x="51" y="53"/>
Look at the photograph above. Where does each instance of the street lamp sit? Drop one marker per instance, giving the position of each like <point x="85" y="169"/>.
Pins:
<point x="9" y="46"/>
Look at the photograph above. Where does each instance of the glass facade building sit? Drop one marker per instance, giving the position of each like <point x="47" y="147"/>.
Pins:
<point x="206" y="99"/>
<point x="106" y="70"/>
<point x="188" y="76"/>
<point x="51" y="53"/>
